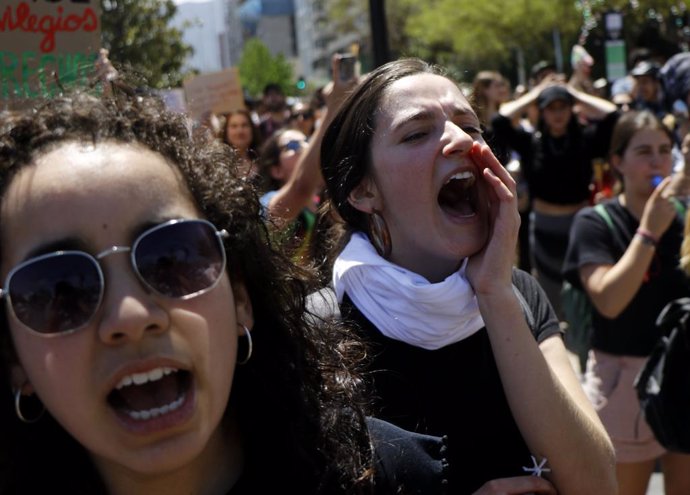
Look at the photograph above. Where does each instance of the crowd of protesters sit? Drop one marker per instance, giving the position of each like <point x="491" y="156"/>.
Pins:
<point x="624" y="147"/>
<point x="395" y="249"/>
<point x="564" y="140"/>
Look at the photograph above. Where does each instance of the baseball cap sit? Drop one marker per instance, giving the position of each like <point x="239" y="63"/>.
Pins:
<point x="675" y="75"/>
<point x="551" y="94"/>
<point x="645" y="68"/>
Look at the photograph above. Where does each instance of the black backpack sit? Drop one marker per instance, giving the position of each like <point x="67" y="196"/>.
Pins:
<point x="663" y="384"/>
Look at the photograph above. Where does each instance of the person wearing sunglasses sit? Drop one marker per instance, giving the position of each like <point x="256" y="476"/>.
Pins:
<point x="291" y="202"/>
<point x="302" y="118"/>
<point x="278" y="159"/>
<point x="152" y="339"/>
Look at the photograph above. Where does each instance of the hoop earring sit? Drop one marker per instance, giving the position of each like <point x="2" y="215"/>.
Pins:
<point x="250" y="346"/>
<point x="18" y="409"/>
<point x="379" y="234"/>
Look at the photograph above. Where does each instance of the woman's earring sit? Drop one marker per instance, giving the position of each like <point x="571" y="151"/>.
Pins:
<point x="250" y="346"/>
<point x="18" y="409"/>
<point x="379" y="234"/>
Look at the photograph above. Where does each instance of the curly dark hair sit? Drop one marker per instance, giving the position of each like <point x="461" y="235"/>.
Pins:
<point x="298" y="400"/>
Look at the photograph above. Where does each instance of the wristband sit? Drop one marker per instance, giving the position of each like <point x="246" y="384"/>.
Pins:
<point x="647" y="237"/>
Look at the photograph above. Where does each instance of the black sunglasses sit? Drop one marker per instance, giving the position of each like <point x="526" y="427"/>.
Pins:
<point x="59" y="293"/>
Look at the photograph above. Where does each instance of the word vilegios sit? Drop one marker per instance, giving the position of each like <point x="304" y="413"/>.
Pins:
<point x="20" y="18"/>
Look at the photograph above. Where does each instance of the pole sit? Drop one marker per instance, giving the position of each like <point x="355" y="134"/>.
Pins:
<point x="557" y="49"/>
<point x="379" y="31"/>
<point x="521" y="73"/>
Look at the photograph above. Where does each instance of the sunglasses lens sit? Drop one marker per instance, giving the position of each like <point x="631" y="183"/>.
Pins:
<point x="57" y="293"/>
<point x="181" y="259"/>
<point x="293" y="145"/>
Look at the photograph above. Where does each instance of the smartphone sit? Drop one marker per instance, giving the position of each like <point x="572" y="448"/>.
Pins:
<point x="346" y="66"/>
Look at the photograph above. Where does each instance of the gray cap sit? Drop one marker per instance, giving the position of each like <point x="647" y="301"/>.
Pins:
<point x="675" y="75"/>
<point x="645" y="68"/>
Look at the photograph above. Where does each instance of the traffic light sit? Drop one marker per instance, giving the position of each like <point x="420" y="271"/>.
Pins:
<point x="301" y="84"/>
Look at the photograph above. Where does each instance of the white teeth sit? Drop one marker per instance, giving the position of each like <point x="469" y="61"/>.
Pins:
<point x="141" y="378"/>
<point x="156" y="411"/>
<point x="461" y="175"/>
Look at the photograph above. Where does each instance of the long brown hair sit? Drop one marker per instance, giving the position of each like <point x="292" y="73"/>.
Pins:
<point x="346" y="146"/>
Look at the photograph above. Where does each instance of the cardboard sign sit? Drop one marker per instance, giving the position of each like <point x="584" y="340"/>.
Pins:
<point x="45" y="44"/>
<point x="217" y="92"/>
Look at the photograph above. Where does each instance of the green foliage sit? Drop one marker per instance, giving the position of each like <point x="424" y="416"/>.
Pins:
<point x="140" y="40"/>
<point x="485" y="35"/>
<point x="646" y="23"/>
<point x="477" y="35"/>
<point x="258" y="67"/>
<point x="470" y="35"/>
<point x="343" y="14"/>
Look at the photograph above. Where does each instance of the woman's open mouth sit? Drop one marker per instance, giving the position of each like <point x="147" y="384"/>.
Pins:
<point x="458" y="196"/>
<point x="155" y="398"/>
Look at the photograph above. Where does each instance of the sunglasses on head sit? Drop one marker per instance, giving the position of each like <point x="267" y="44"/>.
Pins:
<point x="59" y="293"/>
<point x="293" y="145"/>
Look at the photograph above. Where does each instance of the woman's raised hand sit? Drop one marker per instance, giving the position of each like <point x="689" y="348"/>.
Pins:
<point x="492" y="267"/>
<point x="659" y="210"/>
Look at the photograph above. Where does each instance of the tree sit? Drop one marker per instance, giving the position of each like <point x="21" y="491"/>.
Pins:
<point x="477" y="35"/>
<point x="659" y="25"/>
<point x="258" y="67"/>
<point x="139" y="37"/>
<point x="468" y="36"/>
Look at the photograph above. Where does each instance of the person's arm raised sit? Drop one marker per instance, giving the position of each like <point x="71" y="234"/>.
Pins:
<point x="612" y="287"/>
<point x="306" y="178"/>
<point x="594" y="107"/>
<point x="517" y="107"/>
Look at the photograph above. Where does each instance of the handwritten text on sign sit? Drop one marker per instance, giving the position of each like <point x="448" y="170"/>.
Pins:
<point x="217" y="92"/>
<point x="39" y="39"/>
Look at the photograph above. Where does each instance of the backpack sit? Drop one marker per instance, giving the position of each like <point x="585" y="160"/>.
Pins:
<point x="663" y="383"/>
<point x="577" y="308"/>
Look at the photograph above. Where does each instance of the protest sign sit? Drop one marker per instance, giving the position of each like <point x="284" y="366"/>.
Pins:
<point x="217" y="92"/>
<point x="45" y="44"/>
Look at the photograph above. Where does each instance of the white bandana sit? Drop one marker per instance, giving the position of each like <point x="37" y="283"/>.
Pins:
<point x="402" y="304"/>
